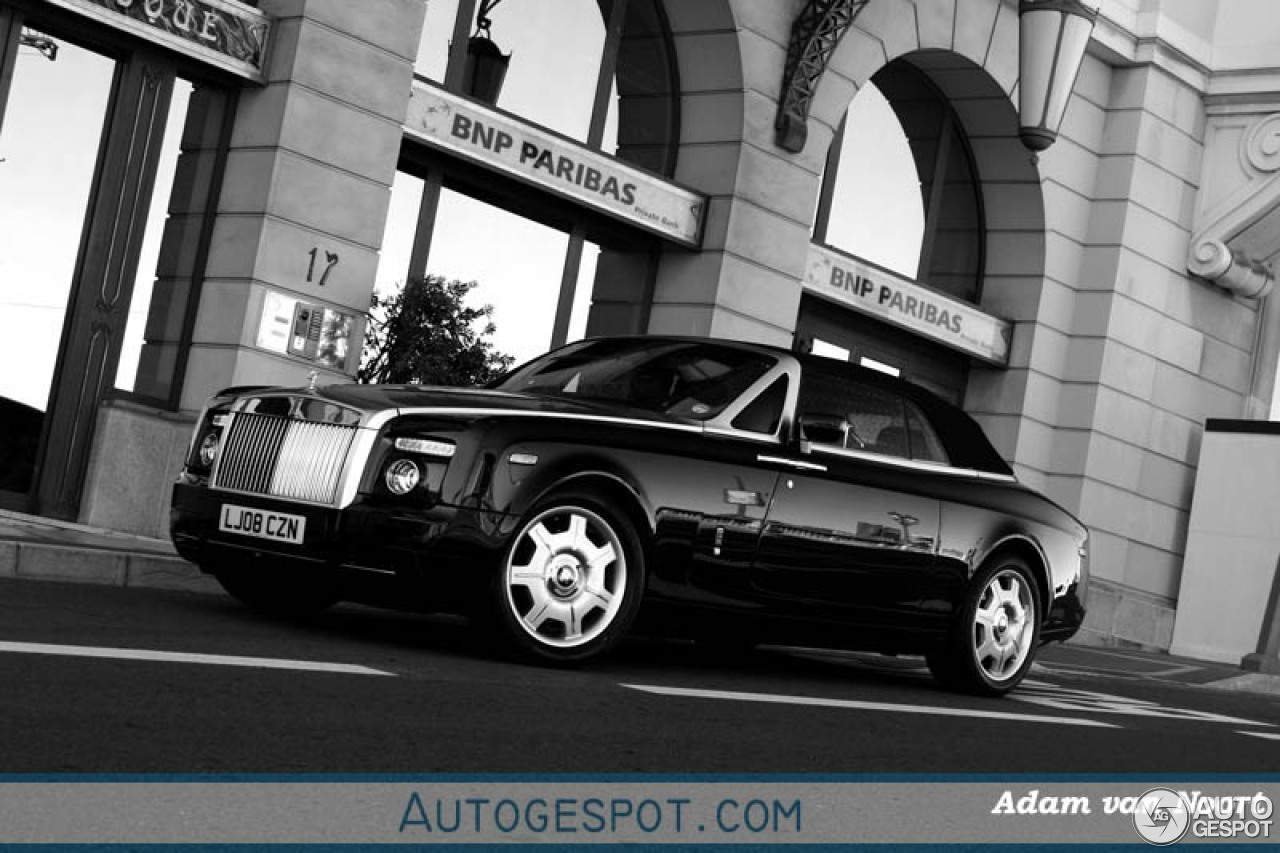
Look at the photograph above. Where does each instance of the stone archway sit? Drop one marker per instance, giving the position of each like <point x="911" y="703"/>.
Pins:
<point x="972" y="60"/>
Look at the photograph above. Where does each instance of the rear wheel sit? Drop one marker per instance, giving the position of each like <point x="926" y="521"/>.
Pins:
<point x="571" y="580"/>
<point x="278" y="593"/>
<point x="993" y="643"/>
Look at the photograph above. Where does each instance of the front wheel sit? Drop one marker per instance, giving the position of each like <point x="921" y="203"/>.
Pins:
<point x="992" y="645"/>
<point x="571" y="580"/>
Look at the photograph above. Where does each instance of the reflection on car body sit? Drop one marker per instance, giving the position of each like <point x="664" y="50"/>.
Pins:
<point x="723" y="491"/>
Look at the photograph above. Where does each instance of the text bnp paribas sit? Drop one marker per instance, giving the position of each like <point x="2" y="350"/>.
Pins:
<point x="554" y="165"/>
<point x="893" y="299"/>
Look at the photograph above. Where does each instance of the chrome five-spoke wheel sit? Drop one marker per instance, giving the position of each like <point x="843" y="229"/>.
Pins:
<point x="1003" y="625"/>
<point x="568" y="580"/>
<point x="997" y="630"/>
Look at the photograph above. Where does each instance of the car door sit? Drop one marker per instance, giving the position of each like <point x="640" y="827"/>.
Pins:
<point x="729" y="521"/>
<point x="850" y="533"/>
<point x="709" y="496"/>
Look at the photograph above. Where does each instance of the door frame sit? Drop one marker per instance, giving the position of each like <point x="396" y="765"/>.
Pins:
<point x="106" y="264"/>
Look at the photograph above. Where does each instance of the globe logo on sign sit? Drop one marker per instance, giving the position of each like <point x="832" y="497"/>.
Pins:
<point x="1161" y="816"/>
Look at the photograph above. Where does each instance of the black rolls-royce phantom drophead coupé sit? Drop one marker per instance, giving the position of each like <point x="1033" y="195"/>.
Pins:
<point x="717" y="490"/>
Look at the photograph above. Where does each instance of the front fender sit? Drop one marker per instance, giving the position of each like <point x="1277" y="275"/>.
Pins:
<point x="515" y="492"/>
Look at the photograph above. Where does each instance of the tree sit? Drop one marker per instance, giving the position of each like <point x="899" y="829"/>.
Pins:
<point x="426" y="334"/>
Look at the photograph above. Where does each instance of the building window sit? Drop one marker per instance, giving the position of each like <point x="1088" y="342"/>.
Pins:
<point x="144" y="284"/>
<point x="900" y="188"/>
<point x="179" y="226"/>
<point x="48" y="151"/>
<point x="534" y="258"/>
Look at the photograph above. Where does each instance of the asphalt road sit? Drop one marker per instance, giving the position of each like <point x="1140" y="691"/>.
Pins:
<point x="210" y="687"/>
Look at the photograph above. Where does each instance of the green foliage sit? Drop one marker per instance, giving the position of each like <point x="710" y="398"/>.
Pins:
<point x="426" y="334"/>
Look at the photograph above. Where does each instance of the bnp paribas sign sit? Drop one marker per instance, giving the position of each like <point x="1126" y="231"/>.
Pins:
<point x="899" y="301"/>
<point x="503" y="143"/>
<point x="228" y="35"/>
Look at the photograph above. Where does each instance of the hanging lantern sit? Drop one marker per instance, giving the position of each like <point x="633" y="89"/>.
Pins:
<point x="486" y="65"/>
<point x="1052" y="37"/>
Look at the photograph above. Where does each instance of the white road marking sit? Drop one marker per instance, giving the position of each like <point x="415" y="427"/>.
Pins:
<point x="1062" y="698"/>
<point x="1263" y="735"/>
<point x="865" y="706"/>
<point x="185" y="657"/>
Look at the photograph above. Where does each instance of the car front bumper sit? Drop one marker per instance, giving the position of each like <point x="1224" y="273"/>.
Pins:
<point x="445" y="548"/>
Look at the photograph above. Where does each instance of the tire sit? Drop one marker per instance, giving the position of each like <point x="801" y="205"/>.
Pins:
<point x="993" y="643"/>
<point x="278" y="593"/>
<point x="570" y="582"/>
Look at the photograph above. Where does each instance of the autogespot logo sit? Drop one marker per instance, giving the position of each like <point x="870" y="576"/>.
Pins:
<point x="1161" y="816"/>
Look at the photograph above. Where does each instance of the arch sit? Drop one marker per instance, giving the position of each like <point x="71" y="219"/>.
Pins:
<point x="972" y="60"/>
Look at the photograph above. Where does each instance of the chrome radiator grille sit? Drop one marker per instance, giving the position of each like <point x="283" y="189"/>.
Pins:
<point x="283" y="457"/>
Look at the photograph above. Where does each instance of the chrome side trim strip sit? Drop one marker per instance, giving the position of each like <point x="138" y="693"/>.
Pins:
<point x="793" y="463"/>
<point x="757" y="437"/>
<point x="913" y="464"/>
<point x="378" y="420"/>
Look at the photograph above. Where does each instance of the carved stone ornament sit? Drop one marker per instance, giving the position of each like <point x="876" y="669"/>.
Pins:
<point x="815" y="34"/>
<point x="1216" y="254"/>
<point x="1231" y="270"/>
<point x="1262" y="144"/>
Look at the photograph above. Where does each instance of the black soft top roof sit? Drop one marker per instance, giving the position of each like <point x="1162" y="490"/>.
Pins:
<point x="967" y="445"/>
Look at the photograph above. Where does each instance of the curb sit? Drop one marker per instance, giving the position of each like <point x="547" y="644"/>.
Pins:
<point x="1250" y="682"/>
<point x="108" y="567"/>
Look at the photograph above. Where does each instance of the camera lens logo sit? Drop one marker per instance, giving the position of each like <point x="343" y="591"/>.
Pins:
<point x="1161" y="816"/>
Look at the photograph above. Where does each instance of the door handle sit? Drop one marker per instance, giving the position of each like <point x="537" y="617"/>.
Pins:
<point x="743" y="497"/>
<point x="792" y="463"/>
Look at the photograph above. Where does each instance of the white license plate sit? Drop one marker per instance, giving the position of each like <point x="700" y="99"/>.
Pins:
<point x="276" y="526"/>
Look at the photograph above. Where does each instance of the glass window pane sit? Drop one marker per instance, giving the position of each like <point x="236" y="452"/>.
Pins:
<point x="517" y="265"/>
<point x="174" y="269"/>
<point x="644" y="105"/>
<point x="555" y="60"/>
<point x="876" y="211"/>
<point x="44" y="193"/>
<point x="956" y="248"/>
<point x="433" y="47"/>
<point x="826" y="349"/>
<point x="872" y="363"/>
<point x="146" y="275"/>
<point x="765" y="411"/>
<point x="925" y="444"/>
<point x="397" y="238"/>
<point x="873" y="417"/>
<point x="583" y="292"/>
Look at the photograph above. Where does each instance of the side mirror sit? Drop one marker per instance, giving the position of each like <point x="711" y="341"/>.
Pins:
<point x="822" y="428"/>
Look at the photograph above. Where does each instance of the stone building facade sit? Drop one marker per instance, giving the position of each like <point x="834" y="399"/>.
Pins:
<point x="1123" y="270"/>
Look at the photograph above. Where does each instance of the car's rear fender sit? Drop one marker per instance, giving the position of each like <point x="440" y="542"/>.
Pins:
<point x="1030" y="551"/>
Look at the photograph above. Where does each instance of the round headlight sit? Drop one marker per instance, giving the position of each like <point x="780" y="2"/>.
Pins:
<point x="402" y="476"/>
<point x="208" y="449"/>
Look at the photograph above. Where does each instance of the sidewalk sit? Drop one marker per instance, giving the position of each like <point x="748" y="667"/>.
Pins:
<point x="46" y="549"/>
<point x="1135" y="664"/>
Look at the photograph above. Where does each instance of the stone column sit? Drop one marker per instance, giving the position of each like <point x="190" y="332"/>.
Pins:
<point x="307" y="184"/>
<point x="745" y="283"/>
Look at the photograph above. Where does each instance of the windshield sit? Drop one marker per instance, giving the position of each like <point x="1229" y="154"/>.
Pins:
<point x="684" y="379"/>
